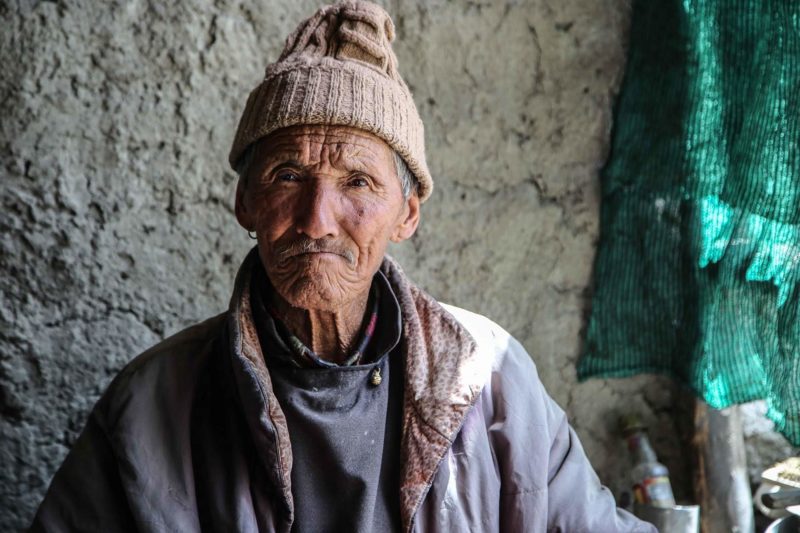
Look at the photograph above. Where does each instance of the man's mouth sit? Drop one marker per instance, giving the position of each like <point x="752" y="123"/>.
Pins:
<point x="310" y="248"/>
<point x="317" y="253"/>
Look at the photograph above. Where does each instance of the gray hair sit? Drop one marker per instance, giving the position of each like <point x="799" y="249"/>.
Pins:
<point x="408" y="182"/>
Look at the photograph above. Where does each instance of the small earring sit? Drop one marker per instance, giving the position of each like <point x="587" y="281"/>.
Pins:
<point x="251" y="235"/>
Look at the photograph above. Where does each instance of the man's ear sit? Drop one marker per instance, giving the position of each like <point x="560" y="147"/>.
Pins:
<point x="409" y="221"/>
<point x="243" y="216"/>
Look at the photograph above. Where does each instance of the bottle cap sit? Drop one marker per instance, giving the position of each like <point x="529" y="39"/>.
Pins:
<point x="630" y="423"/>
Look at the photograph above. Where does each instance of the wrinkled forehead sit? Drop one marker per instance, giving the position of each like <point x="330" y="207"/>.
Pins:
<point x="317" y="144"/>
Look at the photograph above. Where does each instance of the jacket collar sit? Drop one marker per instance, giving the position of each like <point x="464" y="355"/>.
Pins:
<point x="443" y="378"/>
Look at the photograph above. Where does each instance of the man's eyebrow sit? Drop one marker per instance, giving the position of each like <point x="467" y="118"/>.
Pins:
<point x="354" y="165"/>
<point x="357" y="158"/>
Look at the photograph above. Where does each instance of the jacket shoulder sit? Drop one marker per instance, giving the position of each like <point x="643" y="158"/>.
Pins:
<point x="494" y="341"/>
<point x="168" y="369"/>
<point x="183" y="343"/>
<point x="475" y="323"/>
<point x="514" y="383"/>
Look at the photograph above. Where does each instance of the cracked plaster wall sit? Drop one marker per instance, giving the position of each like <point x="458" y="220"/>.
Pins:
<point x="117" y="227"/>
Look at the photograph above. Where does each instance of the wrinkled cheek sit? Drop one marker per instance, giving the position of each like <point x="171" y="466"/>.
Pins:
<point x="371" y="255"/>
<point x="268" y="219"/>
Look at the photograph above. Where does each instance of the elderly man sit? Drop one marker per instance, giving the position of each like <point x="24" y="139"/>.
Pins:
<point x="334" y="394"/>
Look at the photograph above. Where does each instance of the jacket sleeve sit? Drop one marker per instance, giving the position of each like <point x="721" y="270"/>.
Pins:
<point x="542" y="463"/>
<point x="577" y="501"/>
<point x="86" y="493"/>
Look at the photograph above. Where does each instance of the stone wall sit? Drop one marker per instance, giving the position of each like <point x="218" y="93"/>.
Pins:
<point x="117" y="230"/>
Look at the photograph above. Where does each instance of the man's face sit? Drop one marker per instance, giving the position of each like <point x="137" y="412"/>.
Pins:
<point x="324" y="202"/>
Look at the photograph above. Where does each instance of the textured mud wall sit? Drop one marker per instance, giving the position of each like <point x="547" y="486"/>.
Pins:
<point x="116" y="227"/>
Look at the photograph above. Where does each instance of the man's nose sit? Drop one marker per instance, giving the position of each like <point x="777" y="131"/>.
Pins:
<point x="318" y="212"/>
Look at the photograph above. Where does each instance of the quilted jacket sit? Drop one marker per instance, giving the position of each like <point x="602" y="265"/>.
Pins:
<point x="190" y="436"/>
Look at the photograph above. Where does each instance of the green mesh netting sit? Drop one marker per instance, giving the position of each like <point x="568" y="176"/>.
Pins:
<point x="699" y="259"/>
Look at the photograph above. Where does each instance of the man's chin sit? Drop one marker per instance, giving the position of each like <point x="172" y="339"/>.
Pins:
<point x="308" y="291"/>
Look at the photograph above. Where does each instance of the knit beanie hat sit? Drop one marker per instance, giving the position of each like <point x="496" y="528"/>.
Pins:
<point x="338" y="68"/>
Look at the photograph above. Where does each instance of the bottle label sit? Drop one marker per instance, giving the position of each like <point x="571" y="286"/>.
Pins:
<point x="654" y="491"/>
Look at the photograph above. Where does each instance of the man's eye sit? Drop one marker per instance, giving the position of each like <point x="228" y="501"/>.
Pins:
<point x="358" y="181"/>
<point x="286" y="176"/>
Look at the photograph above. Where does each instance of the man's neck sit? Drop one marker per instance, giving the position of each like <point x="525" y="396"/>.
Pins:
<point x="331" y="334"/>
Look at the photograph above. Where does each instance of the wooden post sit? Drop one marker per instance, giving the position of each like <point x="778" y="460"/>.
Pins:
<point x="720" y="479"/>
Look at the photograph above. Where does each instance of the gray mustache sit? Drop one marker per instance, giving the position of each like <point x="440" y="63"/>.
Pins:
<point x="305" y="246"/>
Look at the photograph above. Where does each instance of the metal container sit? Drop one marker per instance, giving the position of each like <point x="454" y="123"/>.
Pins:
<point x="675" y="519"/>
<point x="790" y="524"/>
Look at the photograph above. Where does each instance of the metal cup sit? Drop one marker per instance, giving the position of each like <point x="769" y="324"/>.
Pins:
<point x="675" y="519"/>
<point x="789" y="524"/>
